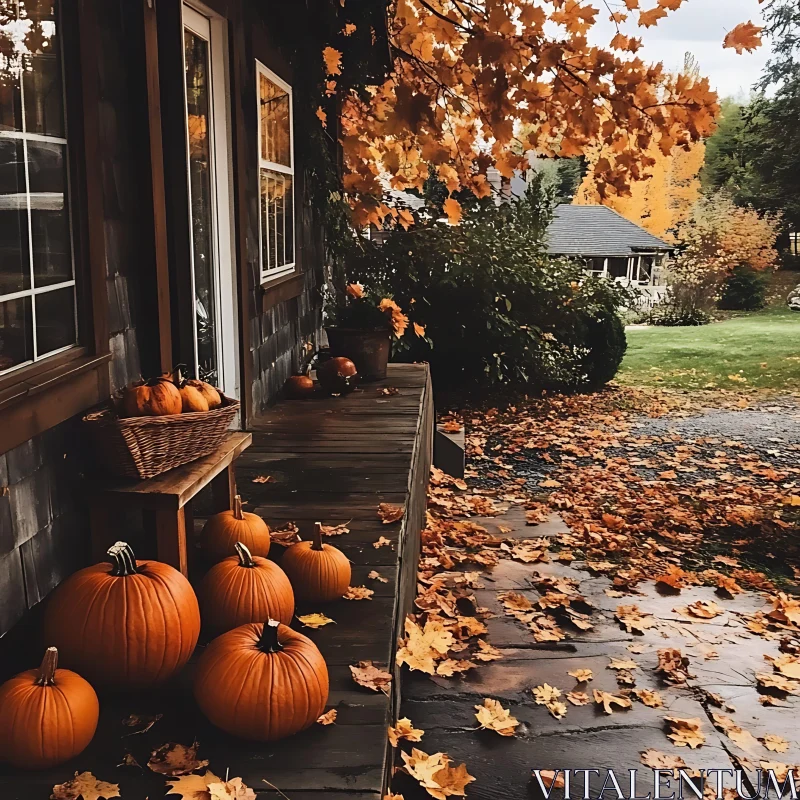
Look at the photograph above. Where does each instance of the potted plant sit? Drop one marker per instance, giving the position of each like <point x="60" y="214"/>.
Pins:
<point x="361" y="329"/>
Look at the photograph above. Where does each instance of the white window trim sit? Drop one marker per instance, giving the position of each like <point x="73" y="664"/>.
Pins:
<point x="269" y="276"/>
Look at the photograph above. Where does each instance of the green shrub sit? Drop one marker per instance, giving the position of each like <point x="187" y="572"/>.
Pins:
<point x="745" y="289"/>
<point x="671" y="315"/>
<point x="496" y="308"/>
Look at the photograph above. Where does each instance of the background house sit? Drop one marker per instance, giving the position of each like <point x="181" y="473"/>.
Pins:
<point x="156" y="207"/>
<point x="611" y="245"/>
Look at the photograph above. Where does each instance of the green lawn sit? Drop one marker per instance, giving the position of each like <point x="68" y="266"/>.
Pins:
<point x="762" y="350"/>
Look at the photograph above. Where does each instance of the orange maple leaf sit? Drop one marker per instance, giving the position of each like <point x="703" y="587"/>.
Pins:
<point x="333" y="61"/>
<point x="745" y="36"/>
<point x="453" y="210"/>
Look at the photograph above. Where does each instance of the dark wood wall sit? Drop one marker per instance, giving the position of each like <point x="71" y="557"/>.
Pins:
<point x="43" y="527"/>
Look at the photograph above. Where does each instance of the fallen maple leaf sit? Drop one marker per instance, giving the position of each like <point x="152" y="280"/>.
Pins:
<point x="777" y="744"/>
<point x="435" y="775"/>
<point x="705" y="609"/>
<point x="382" y="542"/>
<point x="358" y="593"/>
<point x="233" y="789"/>
<point x="335" y="530"/>
<point x="785" y="609"/>
<point x="263" y="479"/>
<point x="685" y="732"/>
<point x="451" y="427"/>
<point x="622" y="663"/>
<point x="389" y="513"/>
<point x="422" y="647"/>
<point x="134" y="720"/>
<point x="745" y="36"/>
<point x="673" y="580"/>
<point x="581" y="675"/>
<point x="655" y="759"/>
<point x="193" y="787"/>
<point x="86" y="786"/>
<point x="777" y="682"/>
<point x="673" y="665"/>
<point x="175" y="759"/>
<point x="366" y="674"/>
<point x="492" y="716"/>
<point x="578" y="698"/>
<point x="286" y="537"/>
<point x="374" y="575"/>
<point x="486" y="652"/>
<point x="786" y="664"/>
<point x="634" y="619"/>
<point x="607" y="700"/>
<point x="328" y="718"/>
<point x="315" y="620"/>
<point x="735" y="733"/>
<point x="404" y="730"/>
<point x="649" y="698"/>
<point x="549" y="697"/>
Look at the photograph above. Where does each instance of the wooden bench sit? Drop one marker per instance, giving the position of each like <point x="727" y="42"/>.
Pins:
<point x="169" y="498"/>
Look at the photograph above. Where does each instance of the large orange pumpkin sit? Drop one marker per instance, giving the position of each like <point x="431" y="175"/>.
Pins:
<point x="155" y="398"/>
<point x="128" y="624"/>
<point x="262" y="682"/>
<point x="319" y="572"/>
<point x="244" y="588"/>
<point x="222" y="531"/>
<point x="299" y="387"/>
<point x="47" y="716"/>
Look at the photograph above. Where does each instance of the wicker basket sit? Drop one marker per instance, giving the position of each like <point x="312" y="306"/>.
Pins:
<point x="143" y="447"/>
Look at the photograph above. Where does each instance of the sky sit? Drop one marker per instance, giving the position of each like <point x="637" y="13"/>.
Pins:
<point x="699" y="26"/>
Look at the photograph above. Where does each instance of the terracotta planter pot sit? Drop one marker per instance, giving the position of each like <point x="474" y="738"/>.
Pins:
<point x="368" y="350"/>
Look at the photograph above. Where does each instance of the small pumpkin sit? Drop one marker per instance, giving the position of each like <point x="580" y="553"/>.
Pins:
<point x="156" y="398"/>
<point x="262" y="682"/>
<point x="299" y="387"/>
<point x="338" y="375"/>
<point x="209" y="392"/>
<point x="320" y="573"/>
<point x="192" y="398"/>
<point x="244" y="588"/>
<point x="127" y="624"/>
<point x="47" y="716"/>
<point x="222" y="531"/>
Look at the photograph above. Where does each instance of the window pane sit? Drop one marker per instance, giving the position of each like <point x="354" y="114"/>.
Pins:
<point x="277" y="219"/>
<point x="201" y="201"/>
<point x="52" y="259"/>
<point x="618" y="267"/>
<point x="275" y="125"/>
<point x="10" y="103"/>
<point x="55" y="320"/>
<point x="16" y="333"/>
<point x="645" y="268"/>
<point x="15" y="268"/>
<point x="41" y="83"/>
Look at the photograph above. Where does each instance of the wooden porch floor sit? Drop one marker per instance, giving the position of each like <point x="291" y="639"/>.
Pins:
<point x="329" y="460"/>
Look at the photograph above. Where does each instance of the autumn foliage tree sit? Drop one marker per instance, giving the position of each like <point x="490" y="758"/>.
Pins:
<point x="659" y="202"/>
<point x="470" y="75"/>
<point x="718" y="238"/>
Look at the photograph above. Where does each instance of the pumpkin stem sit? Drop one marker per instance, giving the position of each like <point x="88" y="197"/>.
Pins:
<point x="123" y="559"/>
<point x="245" y="557"/>
<point x="237" y="507"/>
<point x="268" y="643"/>
<point x="47" y="670"/>
<point x="317" y="540"/>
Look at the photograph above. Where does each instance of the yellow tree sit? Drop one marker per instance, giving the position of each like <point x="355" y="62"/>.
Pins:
<point x="663" y="199"/>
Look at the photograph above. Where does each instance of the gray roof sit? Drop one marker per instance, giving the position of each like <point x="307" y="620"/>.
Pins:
<point x="598" y="231"/>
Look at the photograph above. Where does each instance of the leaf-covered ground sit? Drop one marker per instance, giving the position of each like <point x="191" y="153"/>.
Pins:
<point x="614" y="585"/>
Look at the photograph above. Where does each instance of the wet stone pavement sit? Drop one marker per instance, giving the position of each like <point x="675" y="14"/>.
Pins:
<point x="724" y="657"/>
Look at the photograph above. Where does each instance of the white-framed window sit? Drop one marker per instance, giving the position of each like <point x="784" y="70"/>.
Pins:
<point x="37" y="279"/>
<point x="275" y="174"/>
